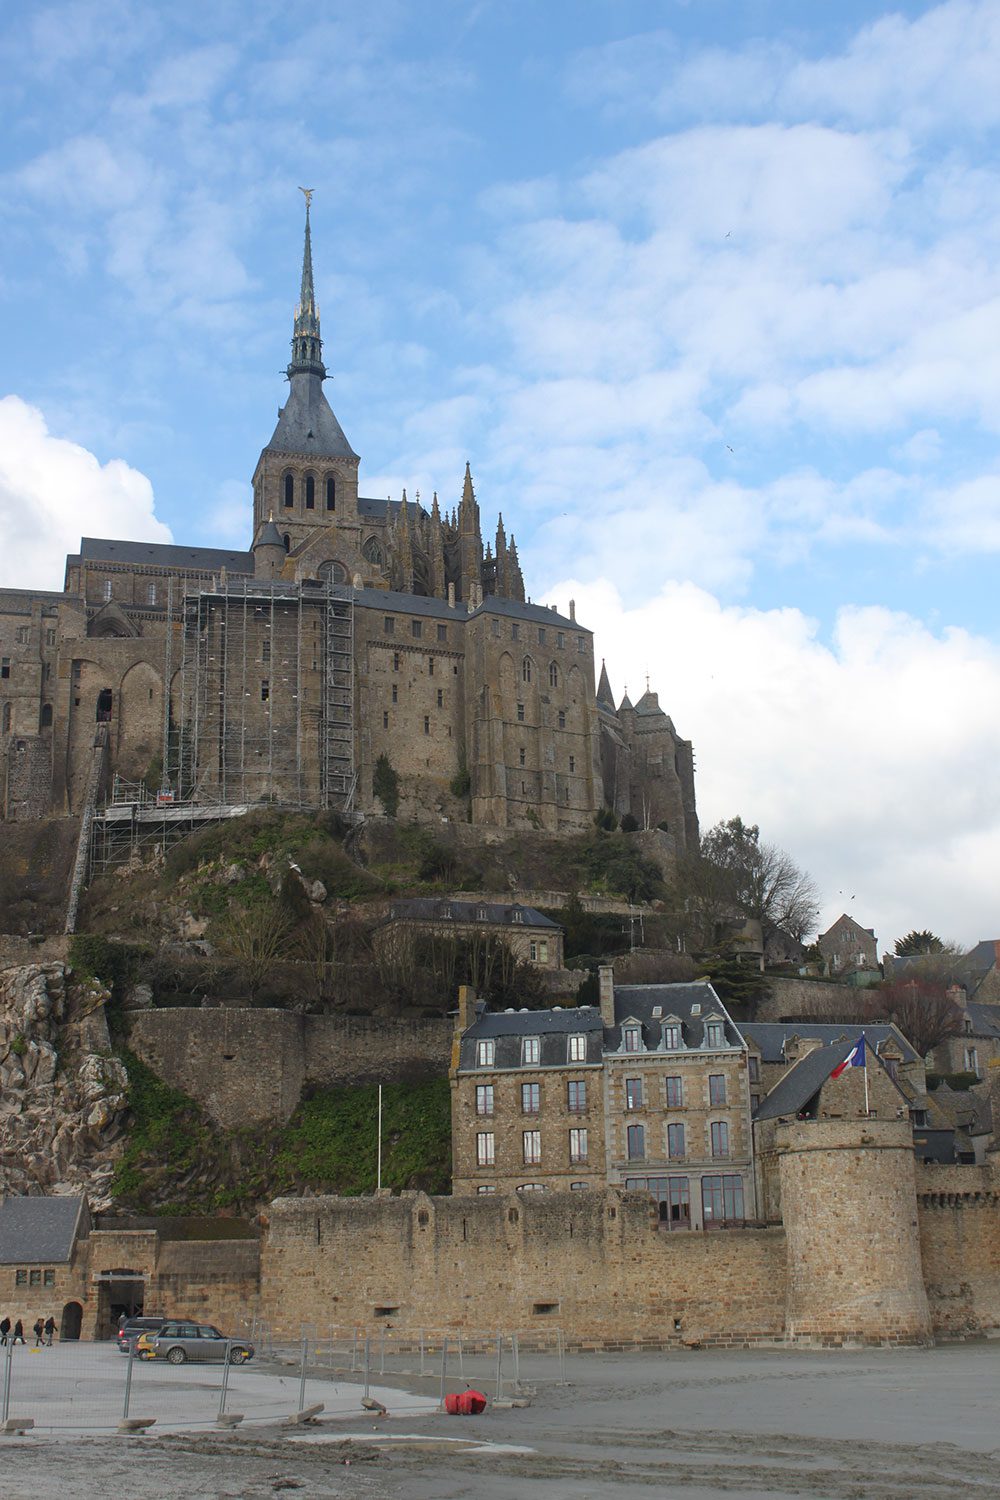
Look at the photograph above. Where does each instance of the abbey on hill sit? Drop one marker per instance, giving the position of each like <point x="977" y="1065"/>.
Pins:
<point x="353" y="629"/>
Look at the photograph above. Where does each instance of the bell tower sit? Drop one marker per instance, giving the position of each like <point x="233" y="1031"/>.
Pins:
<point x="307" y="475"/>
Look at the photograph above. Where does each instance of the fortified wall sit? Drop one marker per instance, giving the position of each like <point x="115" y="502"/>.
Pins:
<point x="248" y="1067"/>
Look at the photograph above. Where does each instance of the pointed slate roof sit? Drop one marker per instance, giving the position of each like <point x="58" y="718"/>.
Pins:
<point x="33" y="1230"/>
<point x="605" y="697"/>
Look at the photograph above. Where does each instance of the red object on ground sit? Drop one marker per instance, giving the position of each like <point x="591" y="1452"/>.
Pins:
<point x="465" y="1404"/>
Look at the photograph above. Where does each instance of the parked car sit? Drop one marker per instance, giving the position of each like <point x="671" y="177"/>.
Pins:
<point x="178" y="1342"/>
<point x="133" y="1328"/>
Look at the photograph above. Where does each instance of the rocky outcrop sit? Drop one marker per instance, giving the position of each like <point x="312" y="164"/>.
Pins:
<point x="62" y="1093"/>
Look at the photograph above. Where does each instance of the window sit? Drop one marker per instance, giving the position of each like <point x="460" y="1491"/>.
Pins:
<point x="430" y="666"/>
<point x="578" y="1187"/>
<point x="486" y="1187"/>
<point x="541" y="635"/>
<point x="486" y="1054"/>
<point x="35" y="1278"/>
<point x="526" y="669"/>
<point x="517" y="914"/>
<point x="20" y="1278"/>
<point x="331" y="496"/>
<point x="389" y="625"/>
<point x="532" y="1140"/>
<point x="632" y="1039"/>
<point x="562" y="719"/>
<point x="515" y="631"/>
<point x="754" y="1103"/>
<point x="720" y="1138"/>
<point x="5" y="666"/>
<point x="578" y="1145"/>
<point x="716" y="1089"/>
<point x="675" y="1140"/>
<point x="416" y="629"/>
<point x="576" y="1096"/>
<point x="572" y="764"/>
<point x="310" y="492"/>
<point x="440" y="697"/>
<point x="45" y="721"/>
<point x="484" y="1098"/>
<point x="721" y="1200"/>
<point x="50" y="638"/>
<point x="108" y="589"/>
<point x="265" y="691"/>
<point x="715" y="1034"/>
<point x="531" y="1049"/>
<point x="486" y="1150"/>
<point x="427" y="724"/>
<point x="531" y="1098"/>
<point x="581" y="644"/>
<point x="289" y="491"/>
<point x="675" y="1092"/>
<point x="151" y="593"/>
<point x="753" y="1069"/>
<point x="23" y="635"/>
<point x="385" y="718"/>
<point x="633" y="1093"/>
<point x="48" y="1278"/>
<point x="553" y="675"/>
<point x="442" y="632"/>
<point x="635" y="1142"/>
<point x="521" y="756"/>
<point x="672" y="1038"/>
<point x="287" y="541"/>
<point x="395" y="693"/>
<point x="395" y="661"/>
<point x="891" y="1066"/>
<point x="539" y="950"/>
<point x="265" y="650"/>
<point x="972" y="1059"/>
<point x="520" y="713"/>
<point x="578" y="1049"/>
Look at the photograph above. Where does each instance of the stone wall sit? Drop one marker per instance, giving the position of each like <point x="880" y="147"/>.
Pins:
<point x="594" y="1264"/>
<point x="810" y="999"/>
<point x="959" y="1221"/>
<point x="250" y="1066"/>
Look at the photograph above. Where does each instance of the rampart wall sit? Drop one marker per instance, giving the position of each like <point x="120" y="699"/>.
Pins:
<point x="249" y="1067"/>
<point x="816" y="999"/>
<point x="959" y="1220"/>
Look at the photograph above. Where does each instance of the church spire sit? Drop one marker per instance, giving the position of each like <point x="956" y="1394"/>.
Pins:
<point x="307" y="346"/>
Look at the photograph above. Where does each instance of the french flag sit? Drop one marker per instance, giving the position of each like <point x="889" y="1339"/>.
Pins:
<point x="855" y="1058"/>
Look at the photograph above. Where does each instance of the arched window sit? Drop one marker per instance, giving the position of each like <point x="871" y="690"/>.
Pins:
<point x="372" y="552"/>
<point x="310" y="492"/>
<point x="5" y="721"/>
<point x="526" y="669"/>
<point x="46" y="718"/>
<point x="331" y="492"/>
<point x="333" y="572"/>
<point x="105" y="700"/>
<point x="289" y="495"/>
<point x="553" y="675"/>
<point x="288" y="542"/>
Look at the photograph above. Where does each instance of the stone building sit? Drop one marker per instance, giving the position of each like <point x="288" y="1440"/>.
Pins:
<point x="356" y="631"/>
<point x="527" y="933"/>
<point x="848" y="948"/>
<point x="648" y="1091"/>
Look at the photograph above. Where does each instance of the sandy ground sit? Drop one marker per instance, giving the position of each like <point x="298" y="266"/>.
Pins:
<point x="900" y="1425"/>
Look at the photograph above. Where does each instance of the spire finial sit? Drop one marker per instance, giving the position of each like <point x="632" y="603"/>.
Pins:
<point x="307" y="346"/>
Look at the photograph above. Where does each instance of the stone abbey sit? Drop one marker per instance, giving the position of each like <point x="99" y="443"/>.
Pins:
<point x="353" y="629"/>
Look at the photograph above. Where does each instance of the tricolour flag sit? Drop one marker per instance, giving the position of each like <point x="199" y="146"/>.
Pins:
<point x="855" y="1058"/>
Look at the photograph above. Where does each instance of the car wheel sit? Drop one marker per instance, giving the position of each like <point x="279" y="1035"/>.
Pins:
<point x="238" y="1356"/>
<point x="176" y="1356"/>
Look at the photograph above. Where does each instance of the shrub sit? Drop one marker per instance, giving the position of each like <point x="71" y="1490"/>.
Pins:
<point x="385" y="785"/>
<point x="629" y="824"/>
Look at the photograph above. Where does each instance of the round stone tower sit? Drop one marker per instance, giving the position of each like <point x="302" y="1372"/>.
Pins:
<point x="848" y="1202"/>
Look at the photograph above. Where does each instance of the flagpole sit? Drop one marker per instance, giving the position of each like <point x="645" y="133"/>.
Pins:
<point x="379" y="1177"/>
<point x="864" y="1044"/>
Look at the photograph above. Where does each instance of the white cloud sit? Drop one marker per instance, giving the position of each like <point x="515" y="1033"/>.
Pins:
<point x="870" y="758"/>
<point x="52" y="492"/>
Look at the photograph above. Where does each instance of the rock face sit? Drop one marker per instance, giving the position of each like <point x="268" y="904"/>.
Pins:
<point x="62" y="1094"/>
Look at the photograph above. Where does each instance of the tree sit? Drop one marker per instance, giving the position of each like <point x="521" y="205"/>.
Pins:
<point x="385" y="785"/>
<point x="918" y="942"/>
<point x="922" y="1009"/>
<point x="255" y="938"/>
<point x="734" y="874"/>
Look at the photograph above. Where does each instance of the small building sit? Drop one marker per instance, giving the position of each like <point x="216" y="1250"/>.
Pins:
<point x="648" y="1091"/>
<point x="528" y="933"/>
<point x="848" y="948"/>
<point x="977" y="1044"/>
<point x="774" y="1047"/>
<point x="43" y="1253"/>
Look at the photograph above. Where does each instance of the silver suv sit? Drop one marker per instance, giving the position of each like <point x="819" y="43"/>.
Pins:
<point x="179" y="1342"/>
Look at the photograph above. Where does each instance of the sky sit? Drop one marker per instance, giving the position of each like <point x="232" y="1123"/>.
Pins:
<point x="707" y="293"/>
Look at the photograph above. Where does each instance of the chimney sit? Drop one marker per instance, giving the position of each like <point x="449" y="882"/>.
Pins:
<point x="451" y="596"/>
<point x="606" y="985"/>
<point x="466" y="1007"/>
<point x="572" y="609"/>
<point x="958" y="995"/>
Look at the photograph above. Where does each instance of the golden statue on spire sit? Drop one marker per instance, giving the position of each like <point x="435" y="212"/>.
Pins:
<point x="307" y="193"/>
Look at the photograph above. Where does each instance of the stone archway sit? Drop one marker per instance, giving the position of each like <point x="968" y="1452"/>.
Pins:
<point x="71" y="1322"/>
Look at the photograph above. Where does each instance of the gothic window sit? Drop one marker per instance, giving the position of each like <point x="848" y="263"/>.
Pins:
<point x="333" y="572"/>
<point x="331" y="504"/>
<point x="287" y="541"/>
<point x="553" y="675"/>
<point x="310" y="492"/>
<point x="289" y="491"/>
<point x="108" y="589"/>
<point x="526" y="669"/>
<point x="371" y="551"/>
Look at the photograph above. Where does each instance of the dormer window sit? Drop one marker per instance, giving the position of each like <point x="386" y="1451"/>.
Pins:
<point x="577" y="1049"/>
<point x="632" y="1038"/>
<point x="482" y="914"/>
<point x="715" y="1034"/>
<point x="517" y="915"/>
<point x="531" y="1050"/>
<point x="486" y="1054"/>
<point x="672" y="1036"/>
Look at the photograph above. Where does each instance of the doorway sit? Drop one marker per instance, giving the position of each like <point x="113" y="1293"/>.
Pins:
<point x="71" y="1322"/>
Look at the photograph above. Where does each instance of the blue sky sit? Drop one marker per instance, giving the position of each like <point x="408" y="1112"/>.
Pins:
<point x="708" y="293"/>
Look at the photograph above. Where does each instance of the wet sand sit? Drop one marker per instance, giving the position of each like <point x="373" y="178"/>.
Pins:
<point x="699" y="1425"/>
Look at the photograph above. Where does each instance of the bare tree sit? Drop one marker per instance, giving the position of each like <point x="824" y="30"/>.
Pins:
<point x="735" y="874"/>
<point x="255" y="938"/>
<point x="922" y="1009"/>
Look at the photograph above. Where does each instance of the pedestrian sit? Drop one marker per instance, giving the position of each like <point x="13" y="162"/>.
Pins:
<point x="4" y="1329"/>
<point x="50" y="1328"/>
<point x="38" y="1328"/>
<point x="18" y="1333"/>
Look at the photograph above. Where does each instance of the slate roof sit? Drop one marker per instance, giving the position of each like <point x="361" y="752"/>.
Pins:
<point x="792" y="1093"/>
<point x="540" y="614"/>
<point x="419" y="604"/>
<point x="162" y="555"/>
<point x="306" y="423"/>
<point x="494" y="913"/>
<point x="638" y="1001"/>
<point x="37" y="1230"/>
<point x="981" y="958"/>
<point x="768" y="1037"/>
<point x="507" y="1028"/>
<point x="985" y="1019"/>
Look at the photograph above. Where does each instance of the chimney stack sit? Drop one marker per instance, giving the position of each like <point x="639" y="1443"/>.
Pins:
<point x="606" y="984"/>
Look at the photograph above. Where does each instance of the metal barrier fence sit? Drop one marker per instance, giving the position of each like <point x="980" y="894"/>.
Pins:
<point x="83" y="1386"/>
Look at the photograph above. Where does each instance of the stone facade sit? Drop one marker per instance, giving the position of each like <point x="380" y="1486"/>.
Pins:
<point x="529" y="935"/>
<point x="848" y="948"/>
<point x="354" y="628"/>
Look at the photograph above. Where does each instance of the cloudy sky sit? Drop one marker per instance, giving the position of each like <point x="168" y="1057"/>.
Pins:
<point x="707" y="293"/>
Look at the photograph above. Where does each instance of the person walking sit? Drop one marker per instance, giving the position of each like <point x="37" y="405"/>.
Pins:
<point x="18" y="1333"/>
<point x="4" y="1329"/>
<point x="50" y="1328"/>
<point x="38" y="1328"/>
